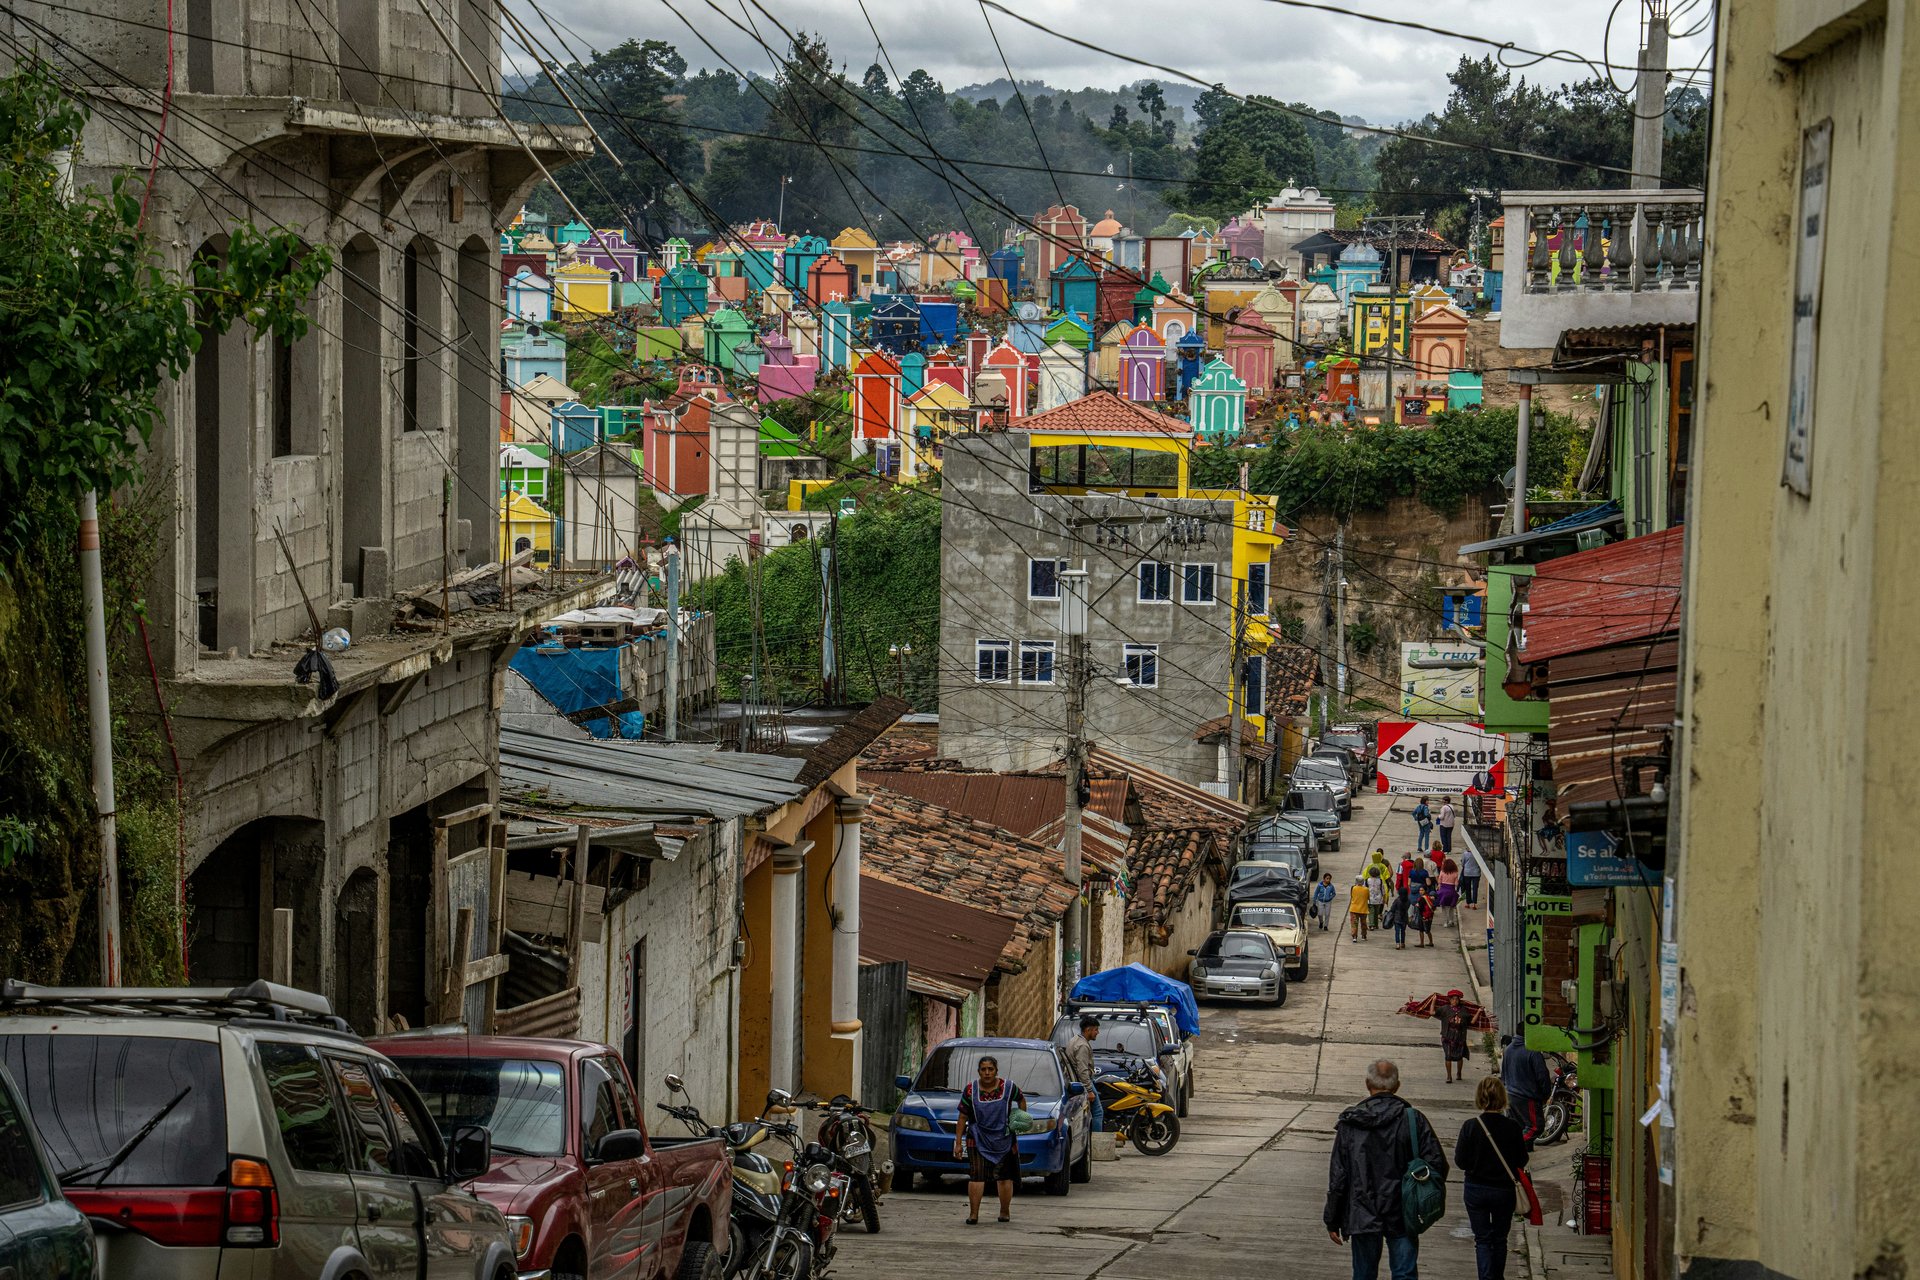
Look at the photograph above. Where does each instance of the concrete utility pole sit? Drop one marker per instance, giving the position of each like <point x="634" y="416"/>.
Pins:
<point x="1236" y="714"/>
<point x="1340" y="621"/>
<point x="1522" y="430"/>
<point x="1073" y="626"/>
<point x="672" y="557"/>
<point x="1650" y="101"/>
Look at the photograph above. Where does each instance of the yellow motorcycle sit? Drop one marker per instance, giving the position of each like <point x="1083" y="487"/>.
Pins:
<point x="1134" y="1106"/>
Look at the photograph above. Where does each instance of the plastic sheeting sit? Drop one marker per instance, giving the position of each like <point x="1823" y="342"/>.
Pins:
<point x="576" y="680"/>
<point x="1136" y="982"/>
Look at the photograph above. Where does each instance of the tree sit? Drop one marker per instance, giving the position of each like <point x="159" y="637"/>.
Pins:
<point x="1118" y="120"/>
<point x="1252" y="147"/>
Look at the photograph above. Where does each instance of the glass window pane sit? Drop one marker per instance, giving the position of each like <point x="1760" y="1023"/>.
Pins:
<point x="303" y="1108"/>
<point x="522" y="1103"/>
<point x="418" y="1152"/>
<point x="599" y="1113"/>
<point x="20" y="1178"/>
<point x="372" y="1141"/>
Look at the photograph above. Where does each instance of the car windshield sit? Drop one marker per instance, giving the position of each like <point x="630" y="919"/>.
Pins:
<point x="952" y="1066"/>
<point x="1228" y="946"/>
<point x="1280" y="916"/>
<point x="1331" y="770"/>
<point x="1249" y="873"/>
<point x="1127" y="1034"/>
<point x="1294" y="860"/>
<point x="1356" y="741"/>
<point x="1316" y="800"/>
<point x="90" y="1095"/>
<point x="522" y="1103"/>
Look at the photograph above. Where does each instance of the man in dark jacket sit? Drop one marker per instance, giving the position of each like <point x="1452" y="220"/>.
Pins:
<point x="1371" y="1150"/>
<point x="1529" y="1085"/>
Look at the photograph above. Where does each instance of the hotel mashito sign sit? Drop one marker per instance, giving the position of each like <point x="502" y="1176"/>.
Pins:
<point x="1430" y="759"/>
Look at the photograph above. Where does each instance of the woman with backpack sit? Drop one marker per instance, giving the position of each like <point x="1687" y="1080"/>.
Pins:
<point x="1323" y="895"/>
<point x="1397" y="917"/>
<point x="1423" y="818"/>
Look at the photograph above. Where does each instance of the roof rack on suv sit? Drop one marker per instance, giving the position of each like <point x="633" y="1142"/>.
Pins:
<point x="260" y="999"/>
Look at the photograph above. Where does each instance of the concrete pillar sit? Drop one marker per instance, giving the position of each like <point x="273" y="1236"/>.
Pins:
<point x="846" y="926"/>
<point x="788" y="863"/>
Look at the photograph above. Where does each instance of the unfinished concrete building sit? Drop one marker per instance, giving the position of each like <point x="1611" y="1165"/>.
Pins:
<point x="367" y="449"/>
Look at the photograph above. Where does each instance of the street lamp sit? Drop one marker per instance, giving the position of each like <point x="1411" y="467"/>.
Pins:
<point x="900" y="653"/>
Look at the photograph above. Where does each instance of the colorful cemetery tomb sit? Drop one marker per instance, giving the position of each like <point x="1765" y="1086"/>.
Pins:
<point x="859" y="251"/>
<point x="530" y="296"/>
<point x="610" y="255"/>
<point x="723" y="264"/>
<point x="527" y="411"/>
<point x="784" y="374"/>
<point x="797" y="260"/>
<point x="836" y="336"/>
<point x="1357" y="267"/>
<point x="1028" y="330"/>
<point x="1113" y="304"/>
<point x="675" y="253"/>
<point x="990" y="296"/>
<point x="939" y="321"/>
<point x="523" y="469"/>
<point x="1217" y="403"/>
<point x="776" y="304"/>
<point x="1071" y="329"/>
<point x="525" y="525"/>
<point x="1175" y="316"/>
<point x="618" y="420"/>
<point x="1010" y="365"/>
<point x="895" y="327"/>
<point x="637" y="293"/>
<point x="1243" y="238"/>
<point x="1439" y="341"/>
<point x="581" y="290"/>
<point x="747" y="360"/>
<point x="1319" y="312"/>
<point x="913" y="372"/>
<point x="1063" y="376"/>
<point x="979" y="342"/>
<point x="876" y="396"/>
<point x="761" y="267"/>
<point x="944" y="366"/>
<point x="1188" y="352"/>
<point x="511" y="263"/>
<point x="1059" y="233"/>
<point x="657" y="342"/>
<point x="1004" y="265"/>
<point x="1249" y="349"/>
<point x="727" y="330"/>
<point x="803" y="328"/>
<point x="1378" y="321"/>
<point x="829" y="278"/>
<point x="932" y="414"/>
<point x="1343" y="384"/>
<point x="1148" y="297"/>
<point x="528" y="351"/>
<point x="1106" y="354"/>
<point x="573" y="233"/>
<point x="1073" y="286"/>
<point x="1463" y="389"/>
<point x="693" y="332"/>
<point x="1275" y="308"/>
<point x="1143" y="365"/>
<point x="575" y="426"/>
<point x="683" y="293"/>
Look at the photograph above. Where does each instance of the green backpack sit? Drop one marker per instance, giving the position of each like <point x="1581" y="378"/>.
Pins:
<point x="1423" y="1192"/>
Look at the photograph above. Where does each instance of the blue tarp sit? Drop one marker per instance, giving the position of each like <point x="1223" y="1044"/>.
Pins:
<point x="1137" y="982"/>
<point x="577" y="680"/>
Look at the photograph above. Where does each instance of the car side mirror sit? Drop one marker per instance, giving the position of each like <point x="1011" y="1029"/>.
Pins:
<point x="903" y="1082"/>
<point x="1076" y="1088"/>
<point x="1193" y="951"/>
<point x="469" y="1153"/>
<point x="1169" y="1048"/>
<point x="620" y="1144"/>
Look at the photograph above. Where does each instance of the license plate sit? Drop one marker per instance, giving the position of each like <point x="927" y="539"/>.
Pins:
<point x="858" y="1147"/>
<point x="1235" y="982"/>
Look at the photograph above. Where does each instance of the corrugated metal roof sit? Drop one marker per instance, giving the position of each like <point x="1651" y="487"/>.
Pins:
<point x="1608" y="596"/>
<point x="954" y="945"/>
<point x="1592" y="518"/>
<point x="639" y="778"/>
<point x="1021" y="803"/>
<point x="1606" y="705"/>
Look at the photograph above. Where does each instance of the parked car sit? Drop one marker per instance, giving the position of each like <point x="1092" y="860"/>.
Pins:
<point x="1281" y="922"/>
<point x="1138" y="1036"/>
<point x="586" y="1190"/>
<point x="41" y="1233"/>
<point x="1345" y="758"/>
<point x="1060" y="1147"/>
<point x="1331" y="772"/>
<point x="212" y="1132"/>
<point x="1289" y="833"/>
<point x="1267" y="882"/>
<point x="1274" y="855"/>
<point x="1238" y="964"/>
<point x="1356" y="739"/>
<point x="1319" y="805"/>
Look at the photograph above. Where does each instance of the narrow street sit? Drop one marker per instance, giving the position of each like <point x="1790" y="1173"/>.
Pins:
<point x="1242" y="1194"/>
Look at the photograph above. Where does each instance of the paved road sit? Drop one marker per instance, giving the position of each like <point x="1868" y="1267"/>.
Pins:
<point x="1241" y="1196"/>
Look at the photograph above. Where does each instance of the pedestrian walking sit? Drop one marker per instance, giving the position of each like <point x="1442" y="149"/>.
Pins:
<point x="1529" y="1084"/>
<point x="1447" y="896"/>
<point x="1404" y="877"/>
<point x="1397" y="917"/>
<point x="1454" y="1023"/>
<point x="1423" y="818"/>
<point x="1323" y="896"/>
<point x="1490" y="1154"/>
<point x="1446" y="825"/>
<point x="1470" y="881"/>
<point x="1420" y="915"/>
<point x="1376" y="898"/>
<point x="985" y="1132"/>
<point x="1418" y="874"/>
<point x="1373" y="1144"/>
<point x="1079" y="1053"/>
<point x="1378" y="862"/>
<point x="1357" y="909"/>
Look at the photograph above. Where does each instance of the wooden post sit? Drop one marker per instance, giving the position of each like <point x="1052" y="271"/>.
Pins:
<point x="496" y="915"/>
<point x="577" y="915"/>
<point x="453" y="995"/>
<point x="437" y="942"/>
<point x="280" y="969"/>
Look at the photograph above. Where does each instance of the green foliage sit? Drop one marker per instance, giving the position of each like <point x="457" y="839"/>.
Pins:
<point x="92" y="323"/>
<point x="1217" y="466"/>
<point x="592" y="365"/>
<point x="889" y="576"/>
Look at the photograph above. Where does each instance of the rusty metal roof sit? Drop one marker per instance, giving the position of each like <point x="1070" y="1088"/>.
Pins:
<point x="950" y="943"/>
<point x="1611" y="595"/>
<point x="1020" y="803"/>
<point x="1605" y="705"/>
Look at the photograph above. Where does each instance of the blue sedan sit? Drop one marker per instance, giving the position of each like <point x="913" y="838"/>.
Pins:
<point x="1060" y="1148"/>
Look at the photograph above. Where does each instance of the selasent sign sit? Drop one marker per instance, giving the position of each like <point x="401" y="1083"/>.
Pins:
<point x="1421" y="758"/>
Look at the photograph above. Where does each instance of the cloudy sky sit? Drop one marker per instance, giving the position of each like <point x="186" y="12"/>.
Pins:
<point x="1332" y="60"/>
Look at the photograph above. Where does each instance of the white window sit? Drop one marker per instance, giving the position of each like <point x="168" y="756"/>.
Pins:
<point x="1142" y="664"/>
<point x="1036" y="662"/>
<point x="1043" y="579"/>
<point x="992" y="661"/>
<point x="1156" y="582"/>
<point x="1257" y="590"/>
<point x="1253" y="686"/>
<point x="1196" y="583"/>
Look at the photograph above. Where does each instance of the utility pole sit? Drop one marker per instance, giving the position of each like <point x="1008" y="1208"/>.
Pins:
<point x="829" y="658"/>
<point x="1393" y="224"/>
<point x="1340" y="621"/>
<point x="1236" y="772"/>
<point x="99" y="711"/>
<point x="672" y="557"/>
<point x="1650" y="102"/>
<point x="1523" y="428"/>
<point x="1073" y="626"/>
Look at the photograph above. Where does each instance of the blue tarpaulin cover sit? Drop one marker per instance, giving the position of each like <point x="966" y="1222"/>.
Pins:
<point x="1137" y="982"/>
<point x="576" y="680"/>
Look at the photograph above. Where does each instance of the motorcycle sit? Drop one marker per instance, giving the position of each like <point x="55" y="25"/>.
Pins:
<point x="769" y="1237"/>
<point x="818" y="1183"/>
<point x="1132" y="1099"/>
<point x="847" y="1133"/>
<point x="1563" y="1104"/>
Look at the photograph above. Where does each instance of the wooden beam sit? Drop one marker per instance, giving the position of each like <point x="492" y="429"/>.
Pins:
<point x="438" y="946"/>
<point x="577" y="922"/>
<point x="281" y="968"/>
<point x="496" y="915"/>
<point x="485" y="969"/>
<point x="453" y="993"/>
<point x="469" y="814"/>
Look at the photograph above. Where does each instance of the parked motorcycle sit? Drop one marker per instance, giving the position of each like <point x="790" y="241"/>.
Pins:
<point x="847" y="1133"/>
<point x="818" y="1187"/>
<point x="1563" y="1104"/>
<point x="1131" y="1100"/>
<point x="770" y="1237"/>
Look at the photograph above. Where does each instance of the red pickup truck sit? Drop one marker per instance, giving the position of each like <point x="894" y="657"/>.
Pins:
<point x="588" y="1194"/>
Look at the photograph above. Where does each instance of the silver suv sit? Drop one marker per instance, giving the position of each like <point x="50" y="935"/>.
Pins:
<point x="213" y="1133"/>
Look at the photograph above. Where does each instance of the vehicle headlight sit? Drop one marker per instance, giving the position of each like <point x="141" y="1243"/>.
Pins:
<point x="1290" y="951"/>
<point x="1271" y="971"/>
<point x="815" y="1179"/>
<point x="1045" y="1126"/>
<point x="907" y="1120"/>
<point x="520" y="1232"/>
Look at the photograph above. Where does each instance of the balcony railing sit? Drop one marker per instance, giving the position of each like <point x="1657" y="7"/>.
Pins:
<point x="1591" y="259"/>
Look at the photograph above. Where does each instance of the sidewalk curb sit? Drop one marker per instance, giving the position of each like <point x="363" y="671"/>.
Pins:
<point x="1536" y="1252"/>
<point x="1480" y="996"/>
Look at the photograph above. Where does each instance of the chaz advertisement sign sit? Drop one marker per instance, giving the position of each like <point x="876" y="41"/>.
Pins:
<point x="1419" y="758"/>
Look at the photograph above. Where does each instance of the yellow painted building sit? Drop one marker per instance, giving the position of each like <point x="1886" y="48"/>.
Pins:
<point x="525" y="525"/>
<point x="1367" y="321"/>
<point x="581" y="290"/>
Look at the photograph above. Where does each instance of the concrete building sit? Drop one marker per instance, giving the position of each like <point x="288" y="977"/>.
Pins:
<point x="1296" y="214"/>
<point x="1794" y="1150"/>
<point x="371" y="444"/>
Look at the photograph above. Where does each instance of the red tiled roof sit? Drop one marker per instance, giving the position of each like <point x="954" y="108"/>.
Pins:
<point x="851" y="738"/>
<point x="1101" y="412"/>
<point x="962" y="859"/>
<point x="1611" y="595"/>
<point x="1168" y="804"/>
<point x="1292" y="672"/>
<point x="1166" y="866"/>
<point x="1252" y="745"/>
<point x="1021" y="803"/>
<point x="917" y="744"/>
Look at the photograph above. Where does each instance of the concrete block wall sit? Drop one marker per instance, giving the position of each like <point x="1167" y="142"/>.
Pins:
<point x="274" y="770"/>
<point x="420" y="465"/>
<point x="445" y="732"/>
<point x="297" y="500"/>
